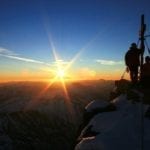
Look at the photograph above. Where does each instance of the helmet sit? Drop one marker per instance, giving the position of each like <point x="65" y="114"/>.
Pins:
<point x="134" y="45"/>
<point x="147" y="59"/>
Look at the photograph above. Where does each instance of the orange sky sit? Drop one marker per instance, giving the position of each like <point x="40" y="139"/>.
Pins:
<point x="83" y="74"/>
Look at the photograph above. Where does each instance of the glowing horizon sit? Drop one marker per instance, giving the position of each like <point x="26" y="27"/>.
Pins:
<point x="87" y="42"/>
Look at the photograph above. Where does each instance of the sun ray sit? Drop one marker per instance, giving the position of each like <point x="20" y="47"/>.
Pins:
<point x="68" y="101"/>
<point x="37" y="99"/>
<point x="60" y="71"/>
<point x="82" y="50"/>
<point x="65" y="89"/>
<point x="59" y="76"/>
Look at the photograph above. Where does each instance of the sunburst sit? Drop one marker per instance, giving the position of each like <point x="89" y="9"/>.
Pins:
<point x="60" y="73"/>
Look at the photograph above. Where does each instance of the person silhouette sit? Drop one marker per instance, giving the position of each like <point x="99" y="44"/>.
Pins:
<point x="145" y="72"/>
<point x="132" y="61"/>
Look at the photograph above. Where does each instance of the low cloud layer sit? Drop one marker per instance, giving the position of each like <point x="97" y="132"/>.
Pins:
<point x="109" y="62"/>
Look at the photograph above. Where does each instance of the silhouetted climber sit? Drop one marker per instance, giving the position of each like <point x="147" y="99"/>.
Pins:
<point x="145" y="73"/>
<point x="132" y="60"/>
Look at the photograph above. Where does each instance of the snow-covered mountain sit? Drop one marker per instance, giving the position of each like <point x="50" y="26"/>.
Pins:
<point x="121" y="124"/>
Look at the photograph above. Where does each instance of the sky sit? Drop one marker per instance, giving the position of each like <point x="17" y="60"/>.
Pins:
<point x="86" y="38"/>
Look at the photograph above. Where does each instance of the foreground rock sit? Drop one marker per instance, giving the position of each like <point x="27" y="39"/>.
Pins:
<point x="124" y="125"/>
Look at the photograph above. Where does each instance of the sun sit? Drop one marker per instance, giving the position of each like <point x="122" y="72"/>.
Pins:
<point x="60" y="73"/>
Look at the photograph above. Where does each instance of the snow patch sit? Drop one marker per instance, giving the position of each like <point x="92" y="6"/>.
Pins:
<point x="120" y="129"/>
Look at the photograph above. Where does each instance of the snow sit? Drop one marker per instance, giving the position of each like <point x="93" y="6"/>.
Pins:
<point x="120" y="129"/>
<point x="96" y="104"/>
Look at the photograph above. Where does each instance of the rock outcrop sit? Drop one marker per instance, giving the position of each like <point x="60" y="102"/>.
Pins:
<point x="118" y="124"/>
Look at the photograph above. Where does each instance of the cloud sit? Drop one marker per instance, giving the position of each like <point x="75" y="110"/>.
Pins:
<point x="22" y="59"/>
<point x="109" y="62"/>
<point x="5" y="51"/>
<point x="10" y="54"/>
